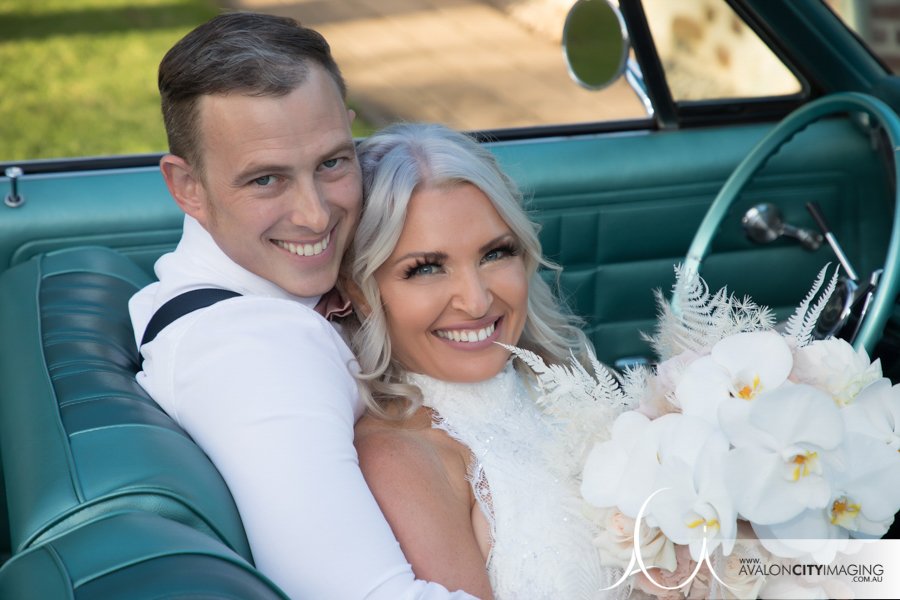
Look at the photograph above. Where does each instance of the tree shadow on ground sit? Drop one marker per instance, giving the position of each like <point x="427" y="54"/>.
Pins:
<point x="23" y="25"/>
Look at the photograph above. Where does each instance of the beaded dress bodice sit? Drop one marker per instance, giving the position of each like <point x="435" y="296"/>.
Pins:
<point x="541" y="544"/>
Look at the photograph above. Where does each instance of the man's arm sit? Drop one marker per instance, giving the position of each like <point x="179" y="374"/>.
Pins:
<point x="264" y="388"/>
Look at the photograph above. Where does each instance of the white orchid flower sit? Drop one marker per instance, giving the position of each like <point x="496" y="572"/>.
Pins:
<point x="738" y="369"/>
<point x="610" y="465"/>
<point x="876" y="412"/>
<point x="834" y="366"/>
<point x="865" y="493"/>
<point x="806" y="537"/>
<point x="776" y="470"/>
<point x="695" y="508"/>
<point x="624" y="471"/>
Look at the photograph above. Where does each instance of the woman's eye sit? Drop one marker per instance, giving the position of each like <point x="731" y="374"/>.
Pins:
<point x="264" y="181"/>
<point x="423" y="269"/>
<point x="499" y="253"/>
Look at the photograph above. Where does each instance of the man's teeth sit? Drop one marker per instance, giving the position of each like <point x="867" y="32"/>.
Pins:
<point x="305" y="249"/>
<point x="467" y="335"/>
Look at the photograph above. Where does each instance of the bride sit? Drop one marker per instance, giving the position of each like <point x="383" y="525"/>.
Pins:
<point x="478" y="481"/>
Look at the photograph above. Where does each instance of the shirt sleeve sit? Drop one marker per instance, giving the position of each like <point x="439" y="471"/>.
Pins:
<point x="265" y="388"/>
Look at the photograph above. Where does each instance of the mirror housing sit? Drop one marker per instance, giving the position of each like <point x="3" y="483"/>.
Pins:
<point x="595" y="43"/>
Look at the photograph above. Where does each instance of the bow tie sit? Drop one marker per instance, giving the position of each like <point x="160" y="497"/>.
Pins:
<point x="332" y="305"/>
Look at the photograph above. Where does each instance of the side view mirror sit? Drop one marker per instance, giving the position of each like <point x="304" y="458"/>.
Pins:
<point x="597" y="47"/>
<point x="595" y="43"/>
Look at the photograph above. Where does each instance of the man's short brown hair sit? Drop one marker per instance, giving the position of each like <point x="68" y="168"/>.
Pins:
<point x="249" y="53"/>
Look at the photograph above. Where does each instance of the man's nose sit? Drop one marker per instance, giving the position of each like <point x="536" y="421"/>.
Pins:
<point x="472" y="294"/>
<point x="309" y="208"/>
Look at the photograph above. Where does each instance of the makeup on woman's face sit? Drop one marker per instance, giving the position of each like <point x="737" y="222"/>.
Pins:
<point x="453" y="286"/>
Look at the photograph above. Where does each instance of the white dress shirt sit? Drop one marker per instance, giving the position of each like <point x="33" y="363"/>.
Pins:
<point x="263" y="384"/>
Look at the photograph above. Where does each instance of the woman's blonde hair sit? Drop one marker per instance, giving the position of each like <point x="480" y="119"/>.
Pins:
<point x="395" y="163"/>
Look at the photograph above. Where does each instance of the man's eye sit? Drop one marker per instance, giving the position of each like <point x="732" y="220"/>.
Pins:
<point x="265" y="180"/>
<point x="331" y="163"/>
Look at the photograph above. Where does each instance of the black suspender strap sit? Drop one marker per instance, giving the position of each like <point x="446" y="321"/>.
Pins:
<point x="181" y="305"/>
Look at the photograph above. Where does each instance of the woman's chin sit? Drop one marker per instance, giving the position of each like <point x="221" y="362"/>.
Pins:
<point x="474" y="369"/>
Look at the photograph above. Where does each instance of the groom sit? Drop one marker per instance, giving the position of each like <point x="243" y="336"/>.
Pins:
<point x="263" y="164"/>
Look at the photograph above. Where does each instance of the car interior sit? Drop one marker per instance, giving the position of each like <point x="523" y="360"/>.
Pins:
<point x="105" y="496"/>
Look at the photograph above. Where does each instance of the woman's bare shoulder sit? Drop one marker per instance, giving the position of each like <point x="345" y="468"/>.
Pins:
<point x="403" y="452"/>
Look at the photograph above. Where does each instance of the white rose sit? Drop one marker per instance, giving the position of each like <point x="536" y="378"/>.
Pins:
<point x="743" y="583"/>
<point x="659" y="395"/>
<point x="615" y="541"/>
<point x="835" y="367"/>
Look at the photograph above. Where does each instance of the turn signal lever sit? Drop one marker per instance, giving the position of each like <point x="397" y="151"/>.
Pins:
<point x="849" y="303"/>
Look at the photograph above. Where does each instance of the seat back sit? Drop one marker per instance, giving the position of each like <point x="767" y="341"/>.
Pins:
<point x="132" y="556"/>
<point x="79" y="438"/>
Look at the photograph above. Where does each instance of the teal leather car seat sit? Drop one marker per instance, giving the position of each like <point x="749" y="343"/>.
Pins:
<point x="80" y="440"/>
<point x="132" y="556"/>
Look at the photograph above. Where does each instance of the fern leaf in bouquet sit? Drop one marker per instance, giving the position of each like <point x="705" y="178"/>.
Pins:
<point x="801" y="324"/>
<point x="701" y="318"/>
<point x="587" y="403"/>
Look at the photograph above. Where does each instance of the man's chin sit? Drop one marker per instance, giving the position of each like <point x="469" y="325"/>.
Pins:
<point x="311" y="288"/>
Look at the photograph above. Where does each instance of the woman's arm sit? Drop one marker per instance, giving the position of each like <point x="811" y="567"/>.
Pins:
<point x="421" y="487"/>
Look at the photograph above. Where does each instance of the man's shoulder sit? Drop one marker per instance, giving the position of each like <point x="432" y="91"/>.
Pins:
<point x="261" y="321"/>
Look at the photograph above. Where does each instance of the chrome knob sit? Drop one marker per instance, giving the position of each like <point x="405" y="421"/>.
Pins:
<point x="14" y="199"/>
<point x="763" y="224"/>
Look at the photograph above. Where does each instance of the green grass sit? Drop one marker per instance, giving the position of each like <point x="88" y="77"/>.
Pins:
<point x="78" y="77"/>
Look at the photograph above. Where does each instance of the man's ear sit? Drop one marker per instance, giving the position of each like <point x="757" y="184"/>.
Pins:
<point x="352" y="114"/>
<point x="185" y="186"/>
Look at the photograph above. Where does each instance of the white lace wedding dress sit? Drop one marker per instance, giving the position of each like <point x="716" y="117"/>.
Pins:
<point x="524" y="480"/>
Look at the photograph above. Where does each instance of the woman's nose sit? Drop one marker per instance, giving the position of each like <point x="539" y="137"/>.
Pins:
<point x="472" y="294"/>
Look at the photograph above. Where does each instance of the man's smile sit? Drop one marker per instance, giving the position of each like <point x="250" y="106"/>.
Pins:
<point x="305" y="249"/>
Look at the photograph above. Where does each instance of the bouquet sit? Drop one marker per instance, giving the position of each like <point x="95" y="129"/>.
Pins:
<point x="742" y="444"/>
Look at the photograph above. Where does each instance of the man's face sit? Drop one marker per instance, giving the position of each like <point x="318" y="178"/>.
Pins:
<point x="281" y="190"/>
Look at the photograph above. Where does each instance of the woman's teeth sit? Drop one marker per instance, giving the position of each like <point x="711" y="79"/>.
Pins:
<point x="305" y="249"/>
<point x="467" y="335"/>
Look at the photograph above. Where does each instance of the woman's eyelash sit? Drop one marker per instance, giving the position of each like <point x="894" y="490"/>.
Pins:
<point x="507" y="249"/>
<point x="425" y="261"/>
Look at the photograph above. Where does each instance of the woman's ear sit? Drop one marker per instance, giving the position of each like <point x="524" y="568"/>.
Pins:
<point x="185" y="186"/>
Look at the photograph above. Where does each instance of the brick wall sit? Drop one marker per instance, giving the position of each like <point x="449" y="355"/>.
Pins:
<point x="882" y="30"/>
<point x="877" y="22"/>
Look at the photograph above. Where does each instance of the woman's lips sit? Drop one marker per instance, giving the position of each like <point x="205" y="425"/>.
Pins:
<point x="471" y="337"/>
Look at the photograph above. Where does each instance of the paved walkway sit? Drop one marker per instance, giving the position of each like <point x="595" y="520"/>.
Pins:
<point x="464" y="63"/>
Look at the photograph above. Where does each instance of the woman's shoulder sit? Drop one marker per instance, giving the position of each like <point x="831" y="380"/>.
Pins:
<point x="400" y="451"/>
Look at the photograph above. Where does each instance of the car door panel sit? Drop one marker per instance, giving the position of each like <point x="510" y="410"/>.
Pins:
<point x="618" y="211"/>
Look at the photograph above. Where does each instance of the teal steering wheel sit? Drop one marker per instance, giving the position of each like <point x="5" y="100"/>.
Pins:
<point x="886" y="293"/>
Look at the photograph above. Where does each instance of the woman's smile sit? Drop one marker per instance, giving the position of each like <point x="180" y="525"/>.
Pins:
<point x="454" y="286"/>
<point x="472" y="337"/>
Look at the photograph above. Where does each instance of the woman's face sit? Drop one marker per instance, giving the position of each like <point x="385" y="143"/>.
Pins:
<point x="454" y="285"/>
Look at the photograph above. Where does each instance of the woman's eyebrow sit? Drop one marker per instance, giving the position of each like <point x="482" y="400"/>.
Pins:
<point x="500" y="239"/>
<point x="432" y="256"/>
